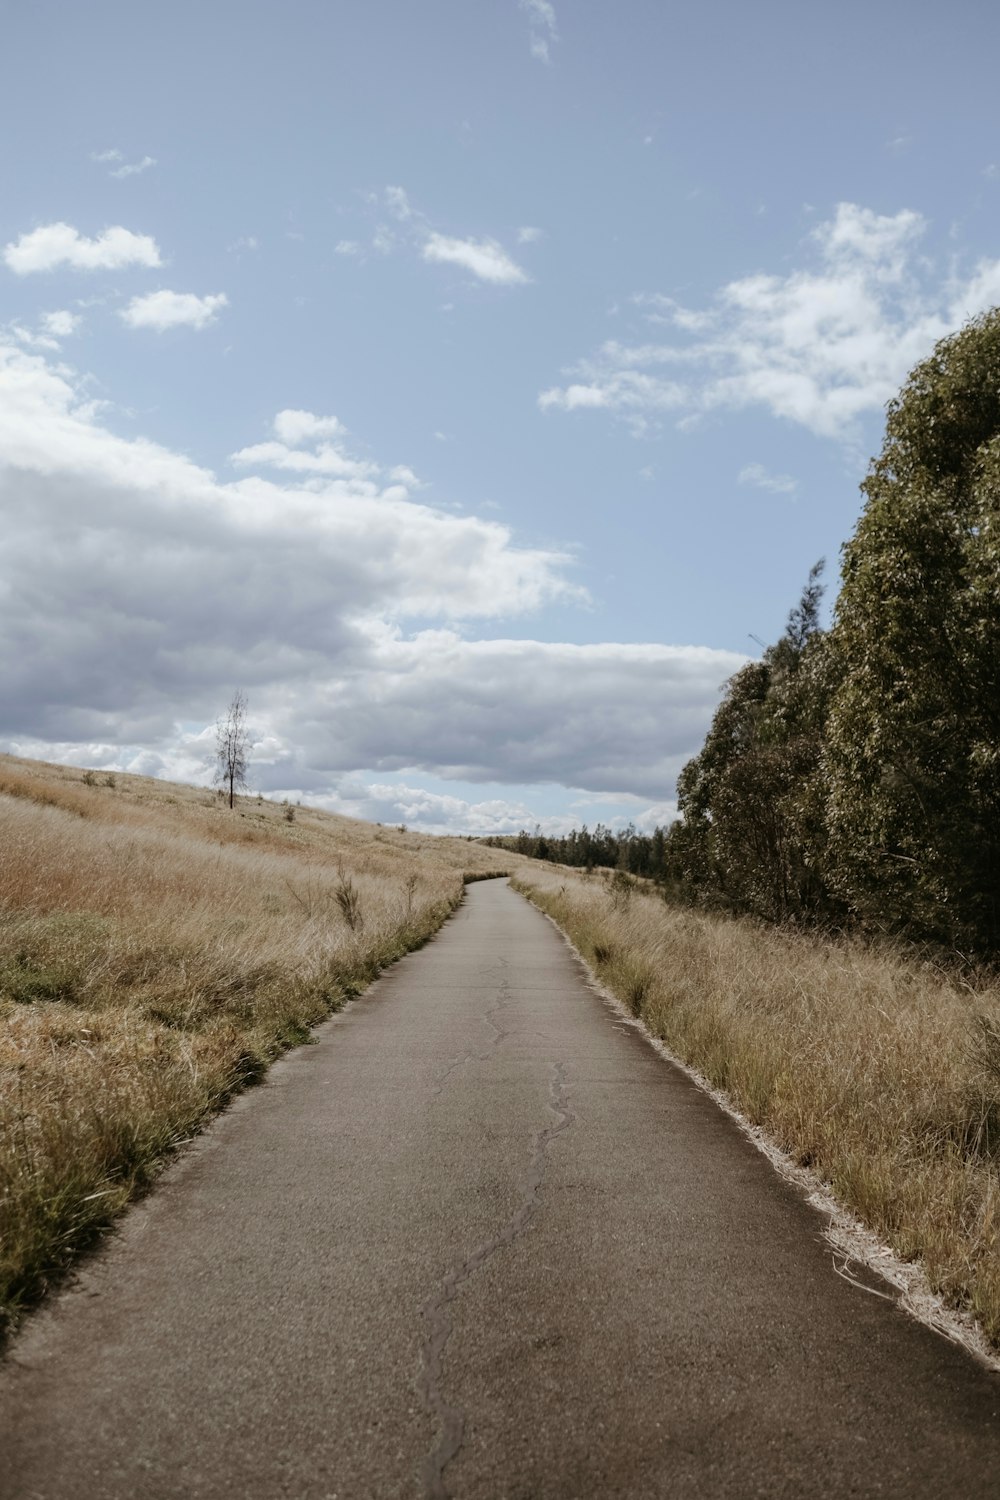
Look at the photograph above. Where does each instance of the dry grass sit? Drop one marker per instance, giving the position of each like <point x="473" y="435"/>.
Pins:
<point x="879" y="1072"/>
<point x="156" y="952"/>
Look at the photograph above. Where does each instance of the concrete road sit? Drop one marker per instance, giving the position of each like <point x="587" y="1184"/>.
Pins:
<point x="482" y="1242"/>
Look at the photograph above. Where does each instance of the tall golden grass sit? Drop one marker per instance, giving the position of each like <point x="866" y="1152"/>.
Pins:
<point x="878" y="1070"/>
<point x="157" y="951"/>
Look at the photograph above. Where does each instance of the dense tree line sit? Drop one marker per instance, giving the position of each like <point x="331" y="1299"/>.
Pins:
<point x="638" y="853"/>
<point x="853" y="775"/>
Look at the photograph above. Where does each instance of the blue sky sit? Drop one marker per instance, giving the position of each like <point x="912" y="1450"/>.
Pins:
<point x="465" y="381"/>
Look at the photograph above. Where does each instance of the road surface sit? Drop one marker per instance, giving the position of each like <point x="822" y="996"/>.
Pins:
<point x="482" y="1242"/>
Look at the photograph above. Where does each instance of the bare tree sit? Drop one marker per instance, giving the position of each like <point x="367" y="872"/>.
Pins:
<point x="232" y="746"/>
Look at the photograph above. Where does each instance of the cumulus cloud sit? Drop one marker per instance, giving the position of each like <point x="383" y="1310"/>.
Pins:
<point x="325" y="459"/>
<point x="820" y="346"/>
<point x="62" y="323"/>
<point x="759" y="478"/>
<point x="164" y="309"/>
<point x="542" y="27"/>
<point x="60" y="244"/>
<point x="137" y="588"/>
<point x="486" y="259"/>
<point x="294" y="427"/>
<point x="326" y="454"/>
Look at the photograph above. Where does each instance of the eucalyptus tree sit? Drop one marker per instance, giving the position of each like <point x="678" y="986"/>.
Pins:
<point x="752" y="799"/>
<point x="913" y="739"/>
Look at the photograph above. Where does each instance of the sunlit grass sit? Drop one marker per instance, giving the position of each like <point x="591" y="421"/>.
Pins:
<point x="157" y="951"/>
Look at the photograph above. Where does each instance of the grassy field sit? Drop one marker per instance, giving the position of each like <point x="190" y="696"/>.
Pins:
<point x="157" y="951"/>
<point x="879" y="1071"/>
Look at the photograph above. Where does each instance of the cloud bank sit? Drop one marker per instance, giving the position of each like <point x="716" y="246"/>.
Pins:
<point x="137" y="589"/>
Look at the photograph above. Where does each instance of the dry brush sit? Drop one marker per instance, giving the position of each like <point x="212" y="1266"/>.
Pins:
<point x="157" y="951"/>
<point x="878" y="1070"/>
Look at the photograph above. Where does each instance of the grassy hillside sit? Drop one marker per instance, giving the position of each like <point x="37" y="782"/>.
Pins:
<point x="157" y="951"/>
<point x="877" y="1069"/>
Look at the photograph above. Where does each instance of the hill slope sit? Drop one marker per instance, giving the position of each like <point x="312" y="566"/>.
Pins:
<point x="157" y="951"/>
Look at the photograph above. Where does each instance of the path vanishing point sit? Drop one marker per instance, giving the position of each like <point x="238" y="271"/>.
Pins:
<point x="482" y="1242"/>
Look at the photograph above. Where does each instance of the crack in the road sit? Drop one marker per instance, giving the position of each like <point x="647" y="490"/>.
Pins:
<point x="472" y="1055"/>
<point x="450" y="1420"/>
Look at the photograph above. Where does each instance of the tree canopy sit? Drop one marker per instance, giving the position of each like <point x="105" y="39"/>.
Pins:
<point x="855" y="773"/>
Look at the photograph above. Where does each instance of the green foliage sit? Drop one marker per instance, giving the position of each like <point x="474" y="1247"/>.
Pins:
<point x="752" y="834"/>
<point x="636" y="853"/>
<point x="26" y="982"/>
<point x="855" y="774"/>
<point x="913" y="747"/>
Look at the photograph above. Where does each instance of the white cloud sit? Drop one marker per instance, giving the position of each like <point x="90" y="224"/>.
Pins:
<point x="757" y="476"/>
<point x="528" y="234"/>
<point x="485" y="259"/>
<point x="573" y="397"/>
<point x="326" y="459"/>
<point x="244" y="242"/>
<point x="398" y="204"/>
<point x="32" y="339"/>
<point x="61" y="323"/>
<point x="403" y="474"/>
<point x="820" y="346"/>
<point x="61" y="245"/>
<point x="293" y="427"/>
<point x="134" y="168"/>
<point x="136" y="588"/>
<point x="424" y="811"/>
<point x="164" y="309"/>
<point x="119" y="167"/>
<point x="542" y="22"/>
